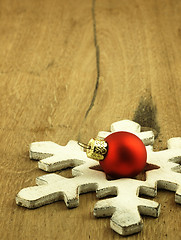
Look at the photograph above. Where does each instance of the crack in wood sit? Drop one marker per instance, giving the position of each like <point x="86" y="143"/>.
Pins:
<point x="97" y="60"/>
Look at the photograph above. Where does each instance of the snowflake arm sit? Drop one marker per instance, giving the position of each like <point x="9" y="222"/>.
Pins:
<point x="168" y="175"/>
<point x="54" y="157"/>
<point x="129" y="126"/>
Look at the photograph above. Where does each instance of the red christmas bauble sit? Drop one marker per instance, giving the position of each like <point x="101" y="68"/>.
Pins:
<point x="126" y="156"/>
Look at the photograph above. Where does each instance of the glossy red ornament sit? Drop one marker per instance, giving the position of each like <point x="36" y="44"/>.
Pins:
<point x="126" y="156"/>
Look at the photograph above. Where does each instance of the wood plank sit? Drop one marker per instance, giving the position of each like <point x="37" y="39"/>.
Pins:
<point x="68" y="69"/>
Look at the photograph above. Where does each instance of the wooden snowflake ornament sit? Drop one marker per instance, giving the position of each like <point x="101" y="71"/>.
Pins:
<point x="125" y="206"/>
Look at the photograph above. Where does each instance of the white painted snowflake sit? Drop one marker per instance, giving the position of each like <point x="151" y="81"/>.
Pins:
<point x="125" y="206"/>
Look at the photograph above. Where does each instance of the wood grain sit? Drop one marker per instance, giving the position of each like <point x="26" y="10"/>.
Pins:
<point x="69" y="69"/>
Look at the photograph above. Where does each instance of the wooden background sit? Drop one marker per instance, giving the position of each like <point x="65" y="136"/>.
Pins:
<point x="68" y="69"/>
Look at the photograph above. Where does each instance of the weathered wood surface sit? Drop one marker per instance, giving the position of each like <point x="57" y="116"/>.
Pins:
<point x="69" y="69"/>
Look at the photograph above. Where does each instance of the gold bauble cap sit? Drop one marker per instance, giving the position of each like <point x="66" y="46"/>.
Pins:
<point x="97" y="149"/>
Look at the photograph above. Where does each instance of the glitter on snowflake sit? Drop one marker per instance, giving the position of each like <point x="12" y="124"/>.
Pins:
<point x="125" y="205"/>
